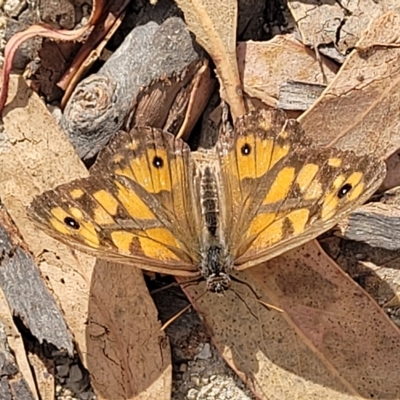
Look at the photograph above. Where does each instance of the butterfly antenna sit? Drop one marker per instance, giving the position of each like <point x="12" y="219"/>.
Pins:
<point x="268" y="306"/>
<point x="170" y="285"/>
<point x="178" y="314"/>
<point x="175" y="317"/>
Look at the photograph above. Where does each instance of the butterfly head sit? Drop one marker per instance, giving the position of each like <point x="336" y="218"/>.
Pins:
<point x="214" y="267"/>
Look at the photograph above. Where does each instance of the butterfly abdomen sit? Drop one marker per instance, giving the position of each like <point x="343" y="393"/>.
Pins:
<point x="209" y="201"/>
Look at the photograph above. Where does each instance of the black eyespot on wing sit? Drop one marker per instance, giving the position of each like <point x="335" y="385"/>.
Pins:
<point x="344" y="190"/>
<point x="158" y="162"/>
<point x="246" y="149"/>
<point x="72" y="223"/>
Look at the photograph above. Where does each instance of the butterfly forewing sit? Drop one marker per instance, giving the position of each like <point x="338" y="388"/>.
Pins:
<point x="135" y="206"/>
<point x="300" y="195"/>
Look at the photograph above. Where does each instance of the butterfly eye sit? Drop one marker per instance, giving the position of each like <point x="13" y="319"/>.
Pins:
<point x="344" y="190"/>
<point x="72" y="223"/>
<point x="246" y="149"/>
<point x="158" y="162"/>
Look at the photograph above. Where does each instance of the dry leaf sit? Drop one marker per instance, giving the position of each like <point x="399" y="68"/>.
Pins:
<point x="337" y="23"/>
<point x="106" y="306"/>
<point x="332" y="340"/>
<point x="42" y="30"/>
<point x="265" y="66"/>
<point x="44" y="376"/>
<point x="214" y="24"/>
<point x="359" y="109"/>
<point x="16" y="344"/>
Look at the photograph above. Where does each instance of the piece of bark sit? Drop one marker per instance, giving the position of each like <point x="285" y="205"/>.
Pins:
<point x="100" y="104"/>
<point x="298" y="96"/>
<point x="375" y="224"/>
<point x="26" y="294"/>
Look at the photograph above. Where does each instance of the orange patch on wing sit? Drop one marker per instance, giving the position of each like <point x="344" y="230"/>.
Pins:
<point x="86" y="231"/>
<point x="281" y="186"/>
<point x="306" y="175"/>
<point x="102" y="217"/>
<point x="59" y="226"/>
<point x="335" y="162"/>
<point x="331" y="200"/>
<point x="154" y="179"/>
<point x="271" y="235"/>
<point x="255" y="157"/>
<point x="123" y="240"/>
<point x="76" y="193"/>
<point x="314" y="191"/>
<point x="107" y="201"/>
<point x="159" y="250"/>
<point x="133" y="204"/>
<point x="298" y="219"/>
<point x="354" y="180"/>
<point x="259" y="223"/>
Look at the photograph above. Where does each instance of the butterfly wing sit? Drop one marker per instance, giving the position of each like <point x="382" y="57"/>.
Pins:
<point x="281" y="190"/>
<point x="135" y="207"/>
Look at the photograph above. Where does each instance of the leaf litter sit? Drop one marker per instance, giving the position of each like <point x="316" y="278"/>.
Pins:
<point x="317" y="346"/>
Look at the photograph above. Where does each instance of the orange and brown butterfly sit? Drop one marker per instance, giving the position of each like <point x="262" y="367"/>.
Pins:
<point x="262" y="190"/>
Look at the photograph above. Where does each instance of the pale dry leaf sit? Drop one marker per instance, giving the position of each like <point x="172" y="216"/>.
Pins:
<point x="265" y="66"/>
<point x="359" y="109"/>
<point x="331" y="341"/>
<point x="337" y="23"/>
<point x="97" y="298"/>
<point x="16" y="345"/>
<point x="214" y="24"/>
<point x="44" y="376"/>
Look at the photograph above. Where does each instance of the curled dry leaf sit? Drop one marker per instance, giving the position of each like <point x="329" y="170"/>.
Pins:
<point x="108" y="23"/>
<point x="214" y="24"/>
<point x="46" y="31"/>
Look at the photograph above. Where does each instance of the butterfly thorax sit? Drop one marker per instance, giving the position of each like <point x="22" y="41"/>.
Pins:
<point x="215" y="259"/>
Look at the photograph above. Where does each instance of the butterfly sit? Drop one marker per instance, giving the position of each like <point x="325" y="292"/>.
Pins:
<point x="263" y="189"/>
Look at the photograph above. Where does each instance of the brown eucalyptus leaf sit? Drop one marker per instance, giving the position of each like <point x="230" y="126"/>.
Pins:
<point x="331" y="340"/>
<point x="106" y="306"/>
<point x="265" y="66"/>
<point x="359" y="109"/>
<point x="214" y="24"/>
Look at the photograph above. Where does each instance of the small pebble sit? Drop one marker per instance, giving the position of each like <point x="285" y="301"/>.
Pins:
<point x="205" y="352"/>
<point x="62" y="370"/>
<point x="75" y="374"/>
<point x="195" y="379"/>
<point x="183" y="367"/>
<point x="192" y="394"/>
